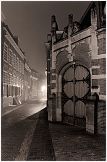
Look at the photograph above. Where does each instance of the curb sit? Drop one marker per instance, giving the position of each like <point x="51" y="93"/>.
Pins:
<point x="18" y="106"/>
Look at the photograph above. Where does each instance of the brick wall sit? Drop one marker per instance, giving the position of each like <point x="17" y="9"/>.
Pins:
<point x="101" y="46"/>
<point x="102" y="63"/>
<point x="61" y="60"/>
<point x="101" y="117"/>
<point x="102" y="84"/>
<point x="94" y="62"/>
<point x="94" y="83"/>
<point x="81" y="54"/>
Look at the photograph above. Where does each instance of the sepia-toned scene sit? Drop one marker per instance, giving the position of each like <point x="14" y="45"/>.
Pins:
<point x="53" y="80"/>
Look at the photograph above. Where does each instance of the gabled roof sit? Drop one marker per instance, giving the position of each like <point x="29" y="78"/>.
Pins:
<point x="13" y="37"/>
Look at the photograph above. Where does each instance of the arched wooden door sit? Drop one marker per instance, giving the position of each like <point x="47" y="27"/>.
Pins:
<point x="75" y="88"/>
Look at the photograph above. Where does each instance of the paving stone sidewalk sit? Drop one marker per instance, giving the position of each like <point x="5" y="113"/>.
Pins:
<point x="12" y="137"/>
<point x="8" y="109"/>
<point x="41" y="146"/>
<point x="74" y="144"/>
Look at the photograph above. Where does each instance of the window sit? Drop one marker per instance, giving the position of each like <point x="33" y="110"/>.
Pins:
<point x="9" y="79"/>
<point x="17" y="63"/>
<point x="13" y="60"/>
<point x="16" y="91"/>
<point x="22" y="67"/>
<point x="10" y="90"/>
<point x="5" y="52"/>
<point x="19" y="91"/>
<point x="22" y="83"/>
<point x="15" y="80"/>
<point x="13" y="90"/>
<point x="4" y="90"/>
<point x="10" y="56"/>
<point x="5" y="77"/>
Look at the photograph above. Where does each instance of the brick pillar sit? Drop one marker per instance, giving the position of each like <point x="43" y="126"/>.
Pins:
<point x="59" y="99"/>
<point x="101" y="117"/>
<point x="49" y="108"/>
<point x="101" y="36"/>
<point x="94" y="53"/>
<point x="91" y="114"/>
<point x="48" y="45"/>
<point x="70" y="31"/>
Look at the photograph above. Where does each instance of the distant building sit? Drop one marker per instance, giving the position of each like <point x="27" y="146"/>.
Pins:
<point x="12" y="68"/>
<point x="34" y="84"/>
<point x="76" y="70"/>
<point x="38" y="85"/>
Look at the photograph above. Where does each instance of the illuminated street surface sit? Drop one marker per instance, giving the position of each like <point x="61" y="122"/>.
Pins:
<point x="17" y="130"/>
<point x="23" y="112"/>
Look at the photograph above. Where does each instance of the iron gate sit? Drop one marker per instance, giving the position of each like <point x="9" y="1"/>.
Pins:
<point x="75" y="88"/>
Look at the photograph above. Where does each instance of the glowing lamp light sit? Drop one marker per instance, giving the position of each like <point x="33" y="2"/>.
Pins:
<point x="43" y="88"/>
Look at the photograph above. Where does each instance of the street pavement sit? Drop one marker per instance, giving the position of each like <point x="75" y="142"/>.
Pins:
<point x="26" y="135"/>
<point x="17" y="129"/>
<point x="21" y="112"/>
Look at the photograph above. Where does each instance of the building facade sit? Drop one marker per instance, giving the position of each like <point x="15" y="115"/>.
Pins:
<point x="19" y="83"/>
<point x="76" y="70"/>
<point x="12" y="68"/>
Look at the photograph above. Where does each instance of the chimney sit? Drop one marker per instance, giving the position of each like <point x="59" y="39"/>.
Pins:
<point x="70" y="20"/>
<point x="94" y="18"/>
<point x="54" y="26"/>
<point x="70" y="24"/>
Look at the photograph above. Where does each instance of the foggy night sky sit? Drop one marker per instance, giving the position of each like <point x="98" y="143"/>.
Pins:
<point x="30" y="21"/>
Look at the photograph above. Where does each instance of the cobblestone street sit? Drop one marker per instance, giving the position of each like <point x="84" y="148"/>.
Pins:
<point x="75" y="144"/>
<point x="33" y="138"/>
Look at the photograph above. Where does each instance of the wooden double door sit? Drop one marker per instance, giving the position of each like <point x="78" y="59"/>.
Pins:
<point x="75" y="88"/>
